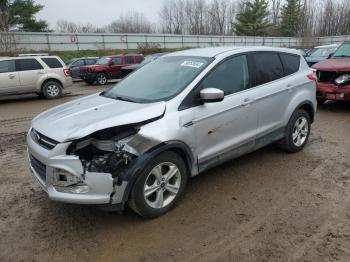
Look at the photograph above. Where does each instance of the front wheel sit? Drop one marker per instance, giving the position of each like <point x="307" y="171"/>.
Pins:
<point x="52" y="90"/>
<point x="160" y="185"/>
<point x="101" y="78"/>
<point x="298" y="132"/>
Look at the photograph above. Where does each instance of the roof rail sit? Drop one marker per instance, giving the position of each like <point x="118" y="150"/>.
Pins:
<point x="42" y="54"/>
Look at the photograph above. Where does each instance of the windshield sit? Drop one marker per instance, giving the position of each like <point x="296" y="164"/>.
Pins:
<point x="159" y="80"/>
<point x="323" y="52"/>
<point x="103" y="61"/>
<point x="343" y="51"/>
<point x="70" y="61"/>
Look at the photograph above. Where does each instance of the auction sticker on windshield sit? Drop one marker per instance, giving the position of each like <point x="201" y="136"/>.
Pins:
<point x="192" y="64"/>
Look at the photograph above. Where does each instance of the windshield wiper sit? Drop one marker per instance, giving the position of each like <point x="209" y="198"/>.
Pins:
<point x="124" y="99"/>
<point x="342" y="56"/>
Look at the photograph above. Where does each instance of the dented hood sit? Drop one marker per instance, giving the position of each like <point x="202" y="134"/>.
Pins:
<point x="85" y="116"/>
<point x="333" y="65"/>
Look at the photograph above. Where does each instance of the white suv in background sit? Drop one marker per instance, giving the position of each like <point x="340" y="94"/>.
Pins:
<point x="43" y="75"/>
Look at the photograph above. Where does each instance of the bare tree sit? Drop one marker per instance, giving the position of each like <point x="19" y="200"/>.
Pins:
<point x="64" y="26"/>
<point x="132" y="22"/>
<point x="197" y="16"/>
<point x="275" y="10"/>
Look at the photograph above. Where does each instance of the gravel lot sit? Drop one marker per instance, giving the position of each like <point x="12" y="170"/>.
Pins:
<point x="266" y="206"/>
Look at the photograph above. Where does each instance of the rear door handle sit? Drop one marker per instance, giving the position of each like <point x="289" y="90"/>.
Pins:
<point x="12" y="76"/>
<point x="289" y="87"/>
<point x="247" y="102"/>
<point x="41" y="72"/>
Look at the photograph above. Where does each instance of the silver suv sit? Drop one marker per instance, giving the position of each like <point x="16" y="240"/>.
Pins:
<point x="140" y="141"/>
<point x="43" y="75"/>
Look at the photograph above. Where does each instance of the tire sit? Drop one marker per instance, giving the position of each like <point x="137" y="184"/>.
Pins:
<point x="52" y="90"/>
<point x="153" y="179"/>
<point x="297" y="132"/>
<point x="101" y="79"/>
<point x="89" y="82"/>
<point x="321" y="101"/>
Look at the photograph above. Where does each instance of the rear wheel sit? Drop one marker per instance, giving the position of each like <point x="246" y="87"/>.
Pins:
<point x="159" y="186"/>
<point x="101" y="79"/>
<point x="298" y="132"/>
<point x="52" y="90"/>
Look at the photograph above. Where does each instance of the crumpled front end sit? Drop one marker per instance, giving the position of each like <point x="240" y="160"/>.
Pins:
<point x="91" y="170"/>
<point x="333" y="86"/>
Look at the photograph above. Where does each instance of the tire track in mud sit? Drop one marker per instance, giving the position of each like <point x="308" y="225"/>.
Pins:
<point x="305" y="235"/>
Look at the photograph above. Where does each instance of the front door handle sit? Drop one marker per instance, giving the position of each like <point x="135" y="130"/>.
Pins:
<point x="12" y="76"/>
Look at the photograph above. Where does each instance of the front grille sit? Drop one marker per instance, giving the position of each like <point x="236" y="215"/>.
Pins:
<point x="38" y="167"/>
<point x="42" y="140"/>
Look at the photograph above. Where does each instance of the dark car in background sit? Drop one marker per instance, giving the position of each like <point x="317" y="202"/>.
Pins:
<point x="108" y="67"/>
<point x="320" y="53"/>
<point x="126" y="70"/>
<point x="75" y="64"/>
<point x="333" y="76"/>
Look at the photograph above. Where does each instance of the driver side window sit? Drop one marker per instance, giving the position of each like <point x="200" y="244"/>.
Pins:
<point x="117" y="61"/>
<point x="231" y="76"/>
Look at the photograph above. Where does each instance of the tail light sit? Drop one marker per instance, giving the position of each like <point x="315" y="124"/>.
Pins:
<point x="66" y="72"/>
<point x="312" y="77"/>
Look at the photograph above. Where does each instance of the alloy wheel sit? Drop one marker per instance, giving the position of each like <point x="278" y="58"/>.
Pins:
<point x="162" y="185"/>
<point x="300" y="131"/>
<point x="52" y="90"/>
<point x="102" y="79"/>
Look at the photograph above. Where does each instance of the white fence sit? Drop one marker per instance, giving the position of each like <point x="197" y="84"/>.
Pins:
<point x="69" y="42"/>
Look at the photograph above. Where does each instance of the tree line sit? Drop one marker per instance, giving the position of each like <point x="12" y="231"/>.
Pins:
<point x="290" y="18"/>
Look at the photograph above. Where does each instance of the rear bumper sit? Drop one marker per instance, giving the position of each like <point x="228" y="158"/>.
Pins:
<point x="326" y="91"/>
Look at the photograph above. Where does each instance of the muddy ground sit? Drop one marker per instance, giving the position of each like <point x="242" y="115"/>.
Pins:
<point x="266" y="206"/>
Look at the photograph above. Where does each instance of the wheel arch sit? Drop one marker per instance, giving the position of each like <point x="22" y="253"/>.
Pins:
<point x="308" y="107"/>
<point x="178" y="147"/>
<point x="50" y="80"/>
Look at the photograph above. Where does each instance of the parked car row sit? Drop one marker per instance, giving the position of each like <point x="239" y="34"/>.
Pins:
<point x="94" y="70"/>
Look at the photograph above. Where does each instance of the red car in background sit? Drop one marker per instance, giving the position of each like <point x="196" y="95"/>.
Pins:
<point x="333" y="76"/>
<point x="108" y="67"/>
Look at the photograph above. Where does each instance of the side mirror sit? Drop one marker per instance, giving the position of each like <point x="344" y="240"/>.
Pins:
<point x="212" y="95"/>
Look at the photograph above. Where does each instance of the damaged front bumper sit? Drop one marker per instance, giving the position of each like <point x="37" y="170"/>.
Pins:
<point x="330" y="91"/>
<point x="64" y="179"/>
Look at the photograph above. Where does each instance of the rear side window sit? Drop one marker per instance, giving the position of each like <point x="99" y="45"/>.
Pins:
<point x="231" y="76"/>
<point x="7" y="66"/>
<point x="129" y="60"/>
<point x="268" y="67"/>
<point x="90" y="61"/>
<point x="52" y="62"/>
<point x="78" y="63"/>
<point x="291" y="63"/>
<point x="28" y="65"/>
<point x="139" y="59"/>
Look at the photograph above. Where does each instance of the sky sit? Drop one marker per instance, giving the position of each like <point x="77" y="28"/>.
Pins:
<point x="96" y="12"/>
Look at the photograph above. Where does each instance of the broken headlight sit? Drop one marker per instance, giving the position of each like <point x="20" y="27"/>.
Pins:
<point x="342" y="79"/>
